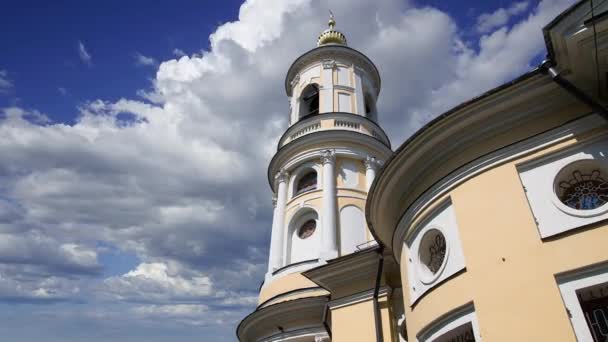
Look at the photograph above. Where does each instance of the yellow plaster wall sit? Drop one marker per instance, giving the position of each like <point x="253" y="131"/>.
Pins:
<point x="360" y="170"/>
<point x="510" y="271"/>
<point x="284" y="284"/>
<point x="357" y="322"/>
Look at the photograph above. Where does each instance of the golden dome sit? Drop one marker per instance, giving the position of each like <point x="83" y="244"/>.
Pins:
<point x="331" y="36"/>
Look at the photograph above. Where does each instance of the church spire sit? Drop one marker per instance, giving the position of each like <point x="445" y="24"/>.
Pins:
<point x="331" y="35"/>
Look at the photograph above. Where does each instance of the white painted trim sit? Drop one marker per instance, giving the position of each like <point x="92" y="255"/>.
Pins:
<point x="282" y="297"/>
<point x="295" y="269"/>
<point x="311" y="332"/>
<point x="443" y="219"/>
<point x="568" y="285"/>
<point x="480" y="165"/>
<point x="451" y="321"/>
<point x="360" y="297"/>
<point x="539" y="179"/>
<point x="571" y="211"/>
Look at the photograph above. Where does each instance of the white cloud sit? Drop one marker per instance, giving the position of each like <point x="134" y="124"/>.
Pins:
<point x="6" y="84"/>
<point x="194" y="314"/>
<point x="157" y="282"/>
<point x="178" y="52"/>
<point x="489" y="21"/>
<point x="142" y="60"/>
<point x="84" y="55"/>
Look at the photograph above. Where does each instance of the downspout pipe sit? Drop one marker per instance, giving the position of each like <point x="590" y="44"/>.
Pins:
<point x="325" y="314"/>
<point x="377" y="317"/>
<point x="547" y="67"/>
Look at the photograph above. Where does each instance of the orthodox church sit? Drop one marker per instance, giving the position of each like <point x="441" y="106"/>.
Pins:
<point x="488" y="224"/>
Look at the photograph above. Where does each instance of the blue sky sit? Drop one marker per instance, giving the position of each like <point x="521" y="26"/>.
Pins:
<point x="134" y="140"/>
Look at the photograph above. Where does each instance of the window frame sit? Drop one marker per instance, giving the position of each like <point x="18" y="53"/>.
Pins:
<point x="572" y="282"/>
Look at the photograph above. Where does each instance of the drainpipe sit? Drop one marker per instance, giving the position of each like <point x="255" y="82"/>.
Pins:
<point x="325" y="314"/>
<point x="378" y="319"/>
<point x="547" y="67"/>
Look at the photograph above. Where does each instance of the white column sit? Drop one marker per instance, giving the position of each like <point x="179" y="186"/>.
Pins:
<point x="272" y="254"/>
<point x="371" y="165"/>
<point x="278" y="230"/>
<point x="329" y="247"/>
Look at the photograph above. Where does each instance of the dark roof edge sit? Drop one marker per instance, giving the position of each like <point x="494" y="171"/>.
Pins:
<point x="552" y="23"/>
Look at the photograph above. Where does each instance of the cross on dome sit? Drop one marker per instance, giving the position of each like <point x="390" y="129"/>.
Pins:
<point x="331" y="35"/>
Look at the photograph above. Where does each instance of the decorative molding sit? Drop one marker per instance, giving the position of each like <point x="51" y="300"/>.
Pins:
<point x="282" y="176"/>
<point x="539" y="177"/>
<point x="344" y="87"/>
<point x="360" y="297"/>
<point x="371" y="163"/>
<point x="451" y="320"/>
<point x="322" y="338"/>
<point x="329" y="64"/>
<point x="442" y="219"/>
<point x="328" y="157"/>
<point x="295" y="292"/>
<point x="296" y="80"/>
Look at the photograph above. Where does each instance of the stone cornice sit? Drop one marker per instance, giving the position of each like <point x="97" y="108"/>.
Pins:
<point x="265" y="322"/>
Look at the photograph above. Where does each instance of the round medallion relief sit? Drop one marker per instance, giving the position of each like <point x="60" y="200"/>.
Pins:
<point x="432" y="253"/>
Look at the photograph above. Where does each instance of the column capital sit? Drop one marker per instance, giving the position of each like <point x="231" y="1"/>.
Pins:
<point x="371" y="163"/>
<point x="281" y="176"/>
<point x="328" y="157"/>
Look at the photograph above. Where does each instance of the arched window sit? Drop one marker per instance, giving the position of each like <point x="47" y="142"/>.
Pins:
<point x="309" y="101"/>
<point x="307" y="229"/>
<point x="370" y="106"/>
<point x="307" y="182"/>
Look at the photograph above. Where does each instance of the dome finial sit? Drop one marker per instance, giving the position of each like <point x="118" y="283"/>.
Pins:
<point x="331" y="36"/>
<point x="332" y="21"/>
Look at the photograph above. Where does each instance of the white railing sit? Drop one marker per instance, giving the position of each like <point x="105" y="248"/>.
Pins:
<point x="305" y="130"/>
<point x="341" y="121"/>
<point x="346" y="124"/>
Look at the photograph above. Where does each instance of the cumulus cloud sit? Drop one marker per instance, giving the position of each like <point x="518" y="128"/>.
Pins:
<point x="154" y="282"/>
<point x="178" y="52"/>
<point x="84" y="55"/>
<point x="179" y="178"/>
<point x="489" y="21"/>
<point x="142" y="60"/>
<point x="5" y="83"/>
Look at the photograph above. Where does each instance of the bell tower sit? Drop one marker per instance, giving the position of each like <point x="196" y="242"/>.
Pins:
<point x="320" y="175"/>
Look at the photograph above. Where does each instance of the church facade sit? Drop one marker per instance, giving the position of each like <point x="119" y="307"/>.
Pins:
<point x="489" y="223"/>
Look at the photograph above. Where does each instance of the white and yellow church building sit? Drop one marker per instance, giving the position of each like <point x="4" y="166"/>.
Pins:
<point x="488" y="224"/>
